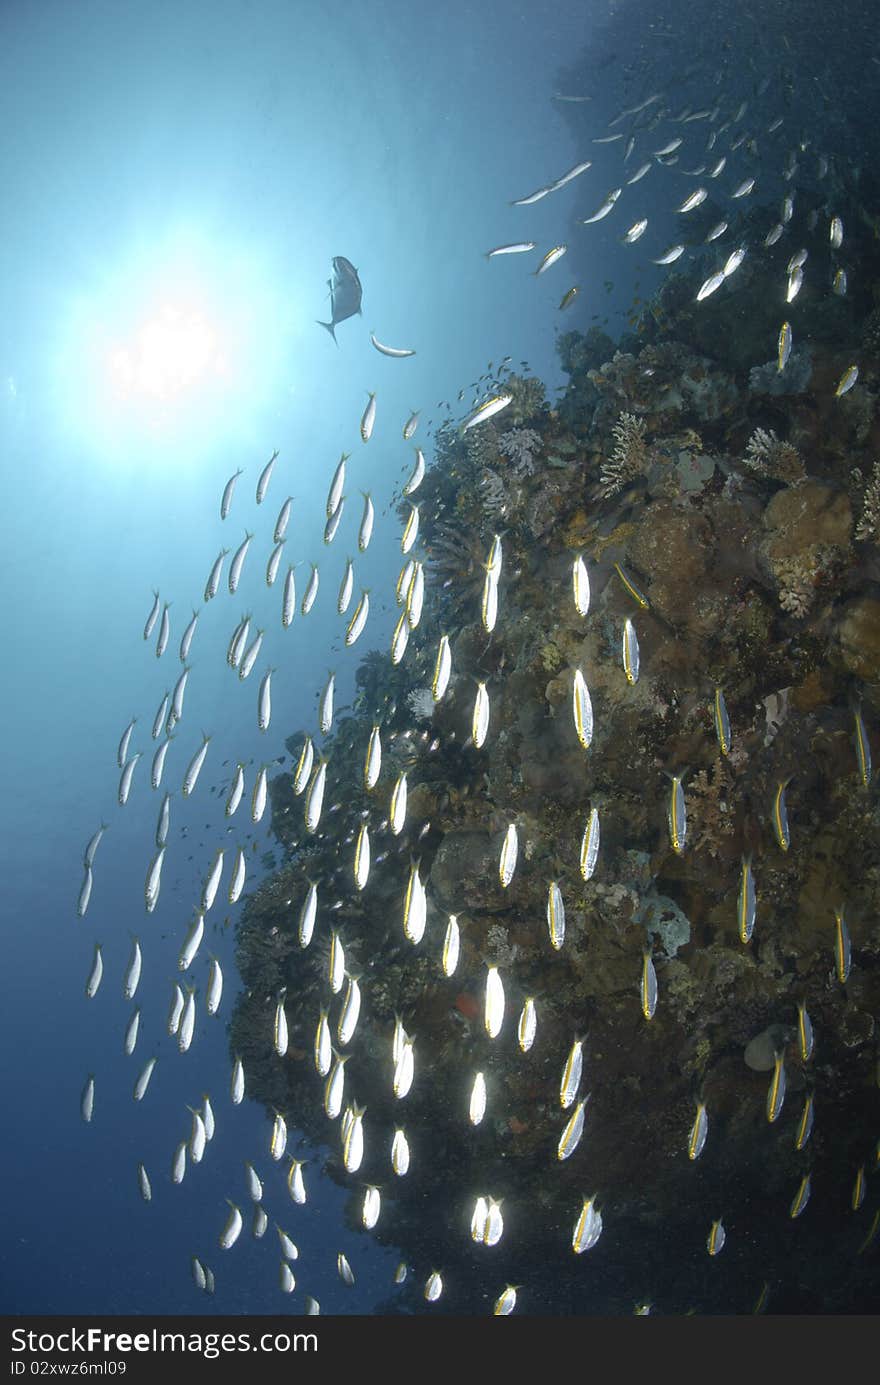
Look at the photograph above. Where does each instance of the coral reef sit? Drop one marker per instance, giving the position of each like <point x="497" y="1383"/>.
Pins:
<point x="629" y="458"/>
<point x="735" y="556"/>
<point x="768" y="456"/>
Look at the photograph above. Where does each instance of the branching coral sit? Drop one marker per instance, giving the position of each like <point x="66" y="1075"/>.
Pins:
<point x="868" y="527"/>
<point x="520" y="447"/>
<point x="709" y="792"/>
<point x="629" y="458"/>
<point x="768" y="455"/>
<point x="798" y="576"/>
<point x="527" y="398"/>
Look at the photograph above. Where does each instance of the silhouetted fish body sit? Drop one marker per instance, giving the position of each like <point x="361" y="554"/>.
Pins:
<point x="345" y="293"/>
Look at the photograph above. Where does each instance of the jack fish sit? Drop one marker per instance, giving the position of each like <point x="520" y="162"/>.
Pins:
<point x="345" y="294"/>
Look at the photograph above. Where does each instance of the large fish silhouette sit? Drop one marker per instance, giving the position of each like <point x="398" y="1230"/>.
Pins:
<point x="345" y="293"/>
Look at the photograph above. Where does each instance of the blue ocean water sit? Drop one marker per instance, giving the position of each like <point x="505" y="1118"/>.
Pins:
<point x="203" y="165"/>
<point x="177" y="182"/>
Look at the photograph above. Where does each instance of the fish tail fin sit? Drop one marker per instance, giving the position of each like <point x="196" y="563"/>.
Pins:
<point x="329" y="327"/>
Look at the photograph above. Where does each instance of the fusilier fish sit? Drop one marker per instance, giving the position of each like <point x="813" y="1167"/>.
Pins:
<point x="779" y="815"/>
<point x="213" y="581"/>
<point x="493" y="1016"/>
<point x="125" y="779"/>
<point x="477" y="1104"/>
<point x="801" y="1197"/>
<point x="280" y="1028"/>
<point x="776" y="1090"/>
<point x="85" y="892"/>
<point x="228" y="492"/>
<point x="232" y="1230"/>
<point x="164" y="631"/>
<point x="346" y="587"/>
<point x="582" y="709"/>
<point x="442" y="669"/>
<point x="716" y="1238"/>
<point x="122" y="750"/>
<point x="587" y="1228"/>
<point x="212" y="881"/>
<point x="295" y="1182"/>
<point x="746" y="903"/>
<point x="551" y="258"/>
<point x="676" y="813"/>
<point x="365" y="531"/>
<point x="414" y="907"/>
<point x="744" y="188"/>
<point x="187" y="1025"/>
<point x="630" y="652"/>
<point x="143" y="1082"/>
<point x="805" y="1124"/>
<point x="304" y="766"/>
<point x="274" y="563"/>
<point x="709" y="285"/>
<point x="215" y="987"/>
<point x="605" y="208"/>
<point x="509" y="852"/>
<point x="358" y="620"/>
<point x="132" y="972"/>
<point x="842" y="946"/>
<point x="236" y="565"/>
<point x="488" y="409"/>
<point x="695" y="198"/>
<point x="699" y="1131"/>
<point x="315" y="797"/>
<point x="288" y="598"/>
<point x="480" y="719"/>
<point x="307" y="915"/>
<point x="635" y="232"/>
<point x="194" y="768"/>
<point x="87" y="1100"/>
<point x="648" y="986"/>
<point x="158" y="765"/>
<point x="264" y="700"/>
<point x="517" y="248"/>
<point x="805" y="1032"/>
<point x="362" y="857"/>
<point x="410" y="530"/>
<point x="237" y="879"/>
<point x="590" y="845"/>
<point x="400" y="1153"/>
<point x="395" y="351"/>
<point x="250" y="656"/>
<point x="153" y="616"/>
<point x="527" y="1025"/>
<point x="97" y="971"/>
<point x="237" y="1082"/>
<point x="131" y="1033"/>
<point x="310" y="592"/>
<point x="368" y="419"/>
<point x="325" y="705"/>
<point x="555" y="916"/>
<point x="264" y="478"/>
<point x="573" y="1131"/>
<point x="580" y="582"/>
<point x="671" y="255"/>
<point x="333" y="522"/>
<point x="571" y="1074"/>
<point x="784" y="346"/>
